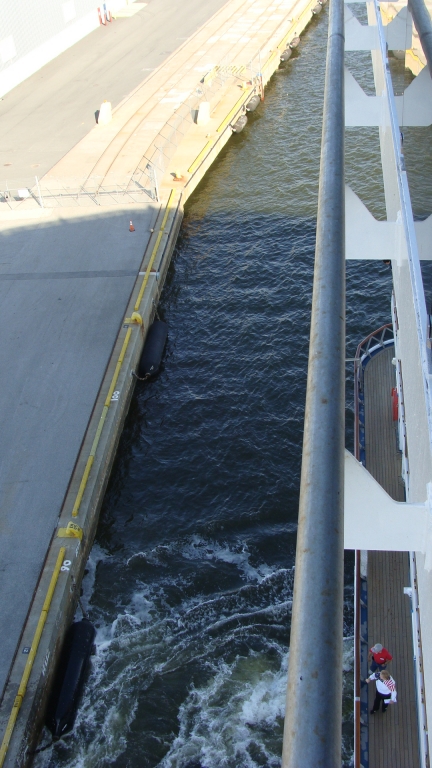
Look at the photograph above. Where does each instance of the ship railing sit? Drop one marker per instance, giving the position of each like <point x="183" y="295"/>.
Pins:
<point x="313" y="716"/>
<point x="376" y="342"/>
<point x="402" y="429"/>
<point x="411" y="591"/>
<point x="369" y="347"/>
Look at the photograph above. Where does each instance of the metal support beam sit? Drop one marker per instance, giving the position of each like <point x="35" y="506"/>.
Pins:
<point x="375" y="521"/>
<point x="312" y="735"/>
<point x="423" y="26"/>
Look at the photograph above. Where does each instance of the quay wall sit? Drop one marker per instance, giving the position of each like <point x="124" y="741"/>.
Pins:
<point x="88" y="483"/>
<point x="415" y="59"/>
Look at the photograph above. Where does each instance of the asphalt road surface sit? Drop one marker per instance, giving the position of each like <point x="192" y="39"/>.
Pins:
<point x="64" y="285"/>
<point x="45" y="116"/>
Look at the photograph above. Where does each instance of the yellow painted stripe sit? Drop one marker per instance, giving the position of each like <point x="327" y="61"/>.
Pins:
<point x="201" y="155"/>
<point x="284" y="40"/>
<point x="82" y="487"/>
<point x="31" y="657"/>
<point x="410" y="51"/>
<point x="154" y="252"/>
<point x="210" y="75"/>
<point x="102" y="419"/>
<point x="231" y="114"/>
<point x="118" y="367"/>
<point x="275" y="53"/>
<point x="90" y="460"/>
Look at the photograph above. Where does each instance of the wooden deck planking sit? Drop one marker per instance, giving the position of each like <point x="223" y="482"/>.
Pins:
<point x="393" y="737"/>
<point x="382" y="457"/>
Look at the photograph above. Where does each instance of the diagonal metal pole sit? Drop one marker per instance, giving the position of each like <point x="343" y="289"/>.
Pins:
<point x="422" y="21"/>
<point x="313" y="721"/>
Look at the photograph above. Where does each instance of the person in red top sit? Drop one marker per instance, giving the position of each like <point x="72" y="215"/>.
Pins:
<point x="380" y="658"/>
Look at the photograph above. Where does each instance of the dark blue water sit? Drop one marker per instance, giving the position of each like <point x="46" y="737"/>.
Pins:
<point x="190" y="579"/>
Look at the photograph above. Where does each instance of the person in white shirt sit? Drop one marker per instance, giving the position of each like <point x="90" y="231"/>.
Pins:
<point x="385" y="690"/>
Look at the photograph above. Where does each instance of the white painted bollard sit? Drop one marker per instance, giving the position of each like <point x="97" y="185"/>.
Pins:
<point x="203" y="114"/>
<point x="105" y="113"/>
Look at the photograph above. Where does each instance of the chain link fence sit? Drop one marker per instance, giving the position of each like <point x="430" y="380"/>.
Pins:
<point x="143" y="185"/>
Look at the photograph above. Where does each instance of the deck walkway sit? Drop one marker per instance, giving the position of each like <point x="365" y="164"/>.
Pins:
<point x="393" y="738"/>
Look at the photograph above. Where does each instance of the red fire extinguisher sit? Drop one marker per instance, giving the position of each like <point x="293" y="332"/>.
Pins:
<point x="395" y="404"/>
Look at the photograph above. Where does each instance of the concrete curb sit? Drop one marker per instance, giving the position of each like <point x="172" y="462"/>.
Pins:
<point x="31" y="715"/>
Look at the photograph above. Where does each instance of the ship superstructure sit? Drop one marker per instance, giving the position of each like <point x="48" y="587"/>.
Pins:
<point x="395" y="526"/>
<point x="388" y="499"/>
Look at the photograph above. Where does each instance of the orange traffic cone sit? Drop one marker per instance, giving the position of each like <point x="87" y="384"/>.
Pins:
<point x="131" y="227"/>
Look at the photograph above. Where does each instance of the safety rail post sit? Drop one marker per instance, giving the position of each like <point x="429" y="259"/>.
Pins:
<point x="313" y="720"/>
<point x="422" y="21"/>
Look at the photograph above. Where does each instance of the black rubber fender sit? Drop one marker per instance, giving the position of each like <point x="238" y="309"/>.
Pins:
<point x="253" y="103"/>
<point x="239" y="124"/>
<point x="286" y="54"/>
<point x="317" y="9"/>
<point x="294" y="42"/>
<point x="70" y="676"/>
<point x="152" y="353"/>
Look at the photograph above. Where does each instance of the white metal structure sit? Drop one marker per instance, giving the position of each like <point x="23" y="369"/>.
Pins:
<point x="407" y="526"/>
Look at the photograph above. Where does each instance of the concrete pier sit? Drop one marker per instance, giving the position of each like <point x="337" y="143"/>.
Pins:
<point x="79" y="291"/>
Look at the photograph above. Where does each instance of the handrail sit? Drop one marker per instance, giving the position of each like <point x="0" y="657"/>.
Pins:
<point x="367" y="347"/>
<point x="423" y="26"/>
<point x="357" y="658"/>
<point x="418" y="664"/>
<point x="313" y="719"/>
<point x="364" y="348"/>
<point x="357" y="582"/>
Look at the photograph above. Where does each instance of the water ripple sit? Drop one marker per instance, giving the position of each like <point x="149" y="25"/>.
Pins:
<point x="190" y="582"/>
